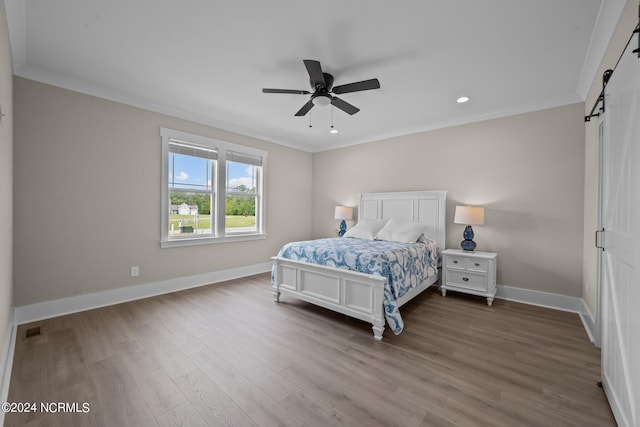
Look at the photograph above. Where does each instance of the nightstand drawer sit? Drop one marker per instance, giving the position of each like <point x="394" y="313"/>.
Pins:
<point x="455" y="262"/>
<point x="474" y="264"/>
<point x="467" y="280"/>
<point x="469" y="264"/>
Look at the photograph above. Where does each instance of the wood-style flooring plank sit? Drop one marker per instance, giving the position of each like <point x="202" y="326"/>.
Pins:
<point x="156" y="387"/>
<point x="258" y="405"/>
<point x="211" y="402"/>
<point x="118" y="400"/>
<point x="182" y="416"/>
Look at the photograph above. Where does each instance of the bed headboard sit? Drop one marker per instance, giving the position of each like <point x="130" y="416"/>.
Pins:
<point x="426" y="207"/>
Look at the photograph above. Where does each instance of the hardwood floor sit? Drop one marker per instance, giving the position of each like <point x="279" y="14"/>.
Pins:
<point x="228" y="355"/>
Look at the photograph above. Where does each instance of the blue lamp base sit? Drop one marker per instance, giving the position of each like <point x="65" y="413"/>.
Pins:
<point x="468" y="244"/>
<point x="343" y="228"/>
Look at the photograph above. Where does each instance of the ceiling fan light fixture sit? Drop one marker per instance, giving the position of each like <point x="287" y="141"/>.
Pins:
<point x="333" y="130"/>
<point x="321" y="100"/>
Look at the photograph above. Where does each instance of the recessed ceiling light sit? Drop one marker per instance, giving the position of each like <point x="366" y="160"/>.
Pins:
<point x="463" y="99"/>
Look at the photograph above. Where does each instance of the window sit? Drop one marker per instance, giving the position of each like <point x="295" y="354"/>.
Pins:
<point x="212" y="191"/>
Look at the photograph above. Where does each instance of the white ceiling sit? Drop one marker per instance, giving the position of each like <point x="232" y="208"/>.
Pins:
<point x="207" y="61"/>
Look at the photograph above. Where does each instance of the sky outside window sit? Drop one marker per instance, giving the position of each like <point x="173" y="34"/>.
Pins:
<point x="189" y="172"/>
<point x="241" y="174"/>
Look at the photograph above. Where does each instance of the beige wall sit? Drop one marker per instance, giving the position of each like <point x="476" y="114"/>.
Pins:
<point x="526" y="170"/>
<point x="6" y="186"/>
<point x="627" y="23"/>
<point x="87" y="197"/>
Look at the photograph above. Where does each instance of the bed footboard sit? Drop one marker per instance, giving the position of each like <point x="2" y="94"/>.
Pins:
<point x="352" y="293"/>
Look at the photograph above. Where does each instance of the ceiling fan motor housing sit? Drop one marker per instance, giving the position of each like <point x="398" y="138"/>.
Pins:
<point x="328" y="84"/>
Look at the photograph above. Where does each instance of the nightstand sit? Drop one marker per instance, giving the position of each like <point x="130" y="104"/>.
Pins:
<point x="470" y="272"/>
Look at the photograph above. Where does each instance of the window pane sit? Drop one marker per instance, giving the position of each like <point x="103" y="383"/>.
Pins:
<point x="189" y="214"/>
<point x="189" y="172"/>
<point x="240" y="214"/>
<point x="242" y="178"/>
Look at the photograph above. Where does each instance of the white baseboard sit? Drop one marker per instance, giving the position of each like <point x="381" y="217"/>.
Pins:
<point x="588" y="322"/>
<point x="45" y="310"/>
<point x="542" y="299"/>
<point x="7" y="363"/>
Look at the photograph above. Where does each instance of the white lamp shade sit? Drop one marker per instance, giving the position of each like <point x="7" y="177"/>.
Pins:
<point x="469" y="215"/>
<point x="343" y="212"/>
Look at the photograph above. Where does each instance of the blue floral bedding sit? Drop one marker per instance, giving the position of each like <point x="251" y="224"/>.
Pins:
<point x="404" y="265"/>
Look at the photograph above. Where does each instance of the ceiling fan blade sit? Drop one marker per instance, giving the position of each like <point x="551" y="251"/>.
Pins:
<point x="344" y="106"/>
<point x="357" y="86"/>
<point x="293" y="91"/>
<point x="315" y="72"/>
<point x="305" y="108"/>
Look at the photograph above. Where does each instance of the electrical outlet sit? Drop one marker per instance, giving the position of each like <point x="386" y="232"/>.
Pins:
<point x="135" y="271"/>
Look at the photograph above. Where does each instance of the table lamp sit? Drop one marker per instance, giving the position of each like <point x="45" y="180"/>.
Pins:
<point x="469" y="215"/>
<point x="343" y="213"/>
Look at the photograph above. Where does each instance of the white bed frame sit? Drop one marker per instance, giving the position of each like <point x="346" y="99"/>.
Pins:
<point x="357" y="294"/>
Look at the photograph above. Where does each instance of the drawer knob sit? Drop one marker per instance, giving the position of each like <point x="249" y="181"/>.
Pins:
<point x="477" y="264"/>
<point x="465" y="279"/>
<point x="455" y="262"/>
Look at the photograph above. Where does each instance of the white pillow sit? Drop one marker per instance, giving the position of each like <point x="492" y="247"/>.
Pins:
<point x="401" y="231"/>
<point x="366" y="229"/>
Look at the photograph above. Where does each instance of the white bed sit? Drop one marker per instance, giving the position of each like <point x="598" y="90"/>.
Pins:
<point x="358" y="294"/>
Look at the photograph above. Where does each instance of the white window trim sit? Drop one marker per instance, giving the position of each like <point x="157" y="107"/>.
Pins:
<point x="220" y="235"/>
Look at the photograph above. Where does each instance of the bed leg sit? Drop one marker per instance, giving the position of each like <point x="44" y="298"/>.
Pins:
<point x="378" y="331"/>
<point x="276" y="293"/>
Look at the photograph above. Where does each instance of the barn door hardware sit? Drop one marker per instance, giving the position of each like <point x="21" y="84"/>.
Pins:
<point x="637" y="31"/>
<point x="599" y="241"/>
<point x="607" y="74"/>
<point x="605" y="79"/>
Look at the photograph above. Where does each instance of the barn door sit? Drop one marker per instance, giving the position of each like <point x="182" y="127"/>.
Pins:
<point x="621" y="239"/>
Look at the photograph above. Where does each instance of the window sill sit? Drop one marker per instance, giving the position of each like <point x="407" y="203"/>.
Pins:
<point x="176" y="243"/>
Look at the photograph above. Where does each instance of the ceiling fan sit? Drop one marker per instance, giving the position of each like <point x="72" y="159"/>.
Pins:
<point x="322" y="86"/>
